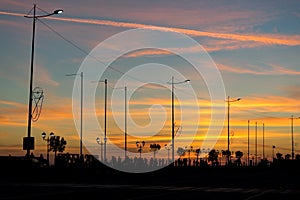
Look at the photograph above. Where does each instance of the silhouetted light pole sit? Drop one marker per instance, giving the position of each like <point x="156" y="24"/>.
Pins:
<point x="125" y="131"/>
<point x="140" y="146"/>
<point x="48" y="143"/>
<point x="255" y="143"/>
<point x="228" y="132"/>
<point x="28" y="143"/>
<point x="292" y="133"/>
<point x="81" y="108"/>
<point x="263" y="153"/>
<point x="105" y="111"/>
<point x="273" y="151"/>
<point x="248" y="143"/>
<point x="173" y="123"/>
<point x="101" y="149"/>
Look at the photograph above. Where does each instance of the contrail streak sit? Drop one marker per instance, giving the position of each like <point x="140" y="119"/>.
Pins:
<point x="290" y="40"/>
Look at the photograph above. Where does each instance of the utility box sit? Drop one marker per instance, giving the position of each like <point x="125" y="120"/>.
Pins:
<point x="28" y="143"/>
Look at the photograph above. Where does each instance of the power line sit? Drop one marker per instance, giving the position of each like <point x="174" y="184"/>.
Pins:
<point x="86" y="53"/>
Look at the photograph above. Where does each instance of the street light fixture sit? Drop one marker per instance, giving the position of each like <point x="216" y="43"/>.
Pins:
<point x="28" y="142"/>
<point x="81" y="103"/>
<point x="228" y="132"/>
<point x="99" y="141"/>
<point x="105" y="111"/>
<point x="173" y="123"/>
<point x="48" y="143"/>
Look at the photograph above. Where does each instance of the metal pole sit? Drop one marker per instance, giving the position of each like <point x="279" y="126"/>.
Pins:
<point x="105" y="112"/>
<point x="48" y="144"/>
<point x="81" y="103"/>
<point x="228" y="139"/>
<point x="255" y="143"/>
<point x="168" y="155"/>
<point x="263" y="154"/>
<point x="31" y="78"/>
<point x="292" y="131"/>
<point x="101" y="150"/>
<point x="125" y="131"/>
<point x="173" y="119"/>
<point x="248" y="142"/>
<point x="273" y="152"/>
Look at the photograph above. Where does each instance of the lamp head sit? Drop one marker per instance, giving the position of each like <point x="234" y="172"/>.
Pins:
<point x="98" y="139"/>
<point x="43" y="135"/>
<point x="59" y="11"/>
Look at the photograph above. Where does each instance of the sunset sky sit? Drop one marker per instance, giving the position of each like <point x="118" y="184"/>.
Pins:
<point x="254" y="44"/>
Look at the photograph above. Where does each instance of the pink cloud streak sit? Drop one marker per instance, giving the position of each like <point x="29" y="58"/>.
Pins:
<point x="269" y="39"/>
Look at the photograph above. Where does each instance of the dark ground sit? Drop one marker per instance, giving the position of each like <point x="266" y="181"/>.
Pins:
<point x="281" y="182"/>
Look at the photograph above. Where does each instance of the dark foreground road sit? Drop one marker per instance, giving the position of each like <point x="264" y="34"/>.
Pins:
<point x="168" y="183"/>
<point x="52" y="191"/>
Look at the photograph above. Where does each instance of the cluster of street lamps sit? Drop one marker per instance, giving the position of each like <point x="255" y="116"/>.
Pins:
<point x="47" y="139"/>
<point x="101" y="143"/>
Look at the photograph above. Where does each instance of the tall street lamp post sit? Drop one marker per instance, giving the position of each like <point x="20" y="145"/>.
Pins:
<point x="125" y="131"/>
<point x="255" y="143"/>
<point x="28" y="142"/>
<point x="263" y="145"/>
<point x="292" y="133"/>
<point x="105" y="114"/>
<point x="228" y="131"/>
<point x="81" y="108"/>
<point x="173" y="123"/>
<point x="248" y="143"/>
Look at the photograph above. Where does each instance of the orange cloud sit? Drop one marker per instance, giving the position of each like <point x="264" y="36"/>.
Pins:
<point x="275" y="70"/>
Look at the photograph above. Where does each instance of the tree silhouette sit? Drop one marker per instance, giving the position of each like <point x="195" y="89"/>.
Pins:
<point x="213" y="157"/>
<point x="198" y="151"/>
<point x="287" y="156"/>
<point x="238" y="155"/>
<point x="57" y="144"/>
<point x="279" y="156"/>
<point x="180" y="151"/>
<point x="227" y="154"/>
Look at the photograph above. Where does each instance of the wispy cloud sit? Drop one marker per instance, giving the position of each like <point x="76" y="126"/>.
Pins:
<point x="257" y="70"/>
<point x="44" y="76"/>
<point x="266" y="39"/>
